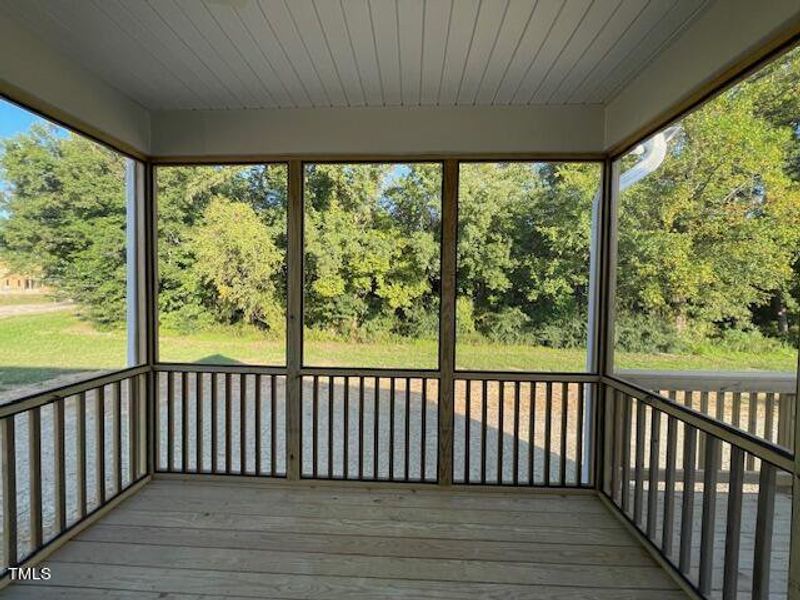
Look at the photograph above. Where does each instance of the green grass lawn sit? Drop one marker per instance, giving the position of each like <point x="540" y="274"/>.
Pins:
<point x="29" y="298"/>
<point x="35" y="348"/>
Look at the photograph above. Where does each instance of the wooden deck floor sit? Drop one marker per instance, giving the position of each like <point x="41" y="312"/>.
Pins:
<point x="182" y="540"/>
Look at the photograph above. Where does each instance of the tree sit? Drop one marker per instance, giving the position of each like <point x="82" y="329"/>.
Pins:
<point x="187" y="299"/>
<point x="712" y="235"/>
<point x="65" y="218"/>
<point x="238" y="259"/>
<point x="371" y="250"/>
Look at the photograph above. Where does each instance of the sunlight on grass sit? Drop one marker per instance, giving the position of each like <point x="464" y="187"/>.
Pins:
<point x="35" y="348"/>
<point x="24" y="299"/>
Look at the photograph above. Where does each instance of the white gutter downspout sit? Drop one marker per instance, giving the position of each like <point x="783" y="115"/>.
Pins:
<point x="653" y="152"/>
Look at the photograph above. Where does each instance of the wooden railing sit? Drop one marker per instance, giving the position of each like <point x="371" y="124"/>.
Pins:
<point x="375" y="425"/>
<point x="761" y="404"/>
<point x="522" y="429"/>
<point x="666" y="462"/>
<point x="382" y="426"/>
<point x="220" y="420"/>
<point x="66" y="454"/>
<point x="699" y="514"/>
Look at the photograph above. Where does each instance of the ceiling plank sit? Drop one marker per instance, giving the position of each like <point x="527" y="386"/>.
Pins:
<point x="568" y="21"/>
<point x="232" y="24"/>
<point x="202" y="19"/>
<point x="463" y="21"/>
<point x="599" y="49"/>
<point x="164" y="38"/>
<point x="282" y="25"/>
<point x="260" y="31"/>
<point x="410" y="20"/>
<point x="669" y="27"/>
<point x="309" y="28"/>
<point x="193" y="38"/>
<point x="517" y="20"/>
<point x="337" y="38"/>
<point x="543" y="18"/>
<point x="357" y="16"/>
<point x="652" y="13"/>
<point x="384" y="23"/>
<point x="491" y="16"/>
<point x="436" y="26"/>
<point x="593" y="22"/>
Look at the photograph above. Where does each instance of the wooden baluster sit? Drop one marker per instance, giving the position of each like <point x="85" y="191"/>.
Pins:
<point x="652" y="483"/>
<point x="710" y="479"/>
<point x="199" y="459"/>
<point x="627" y="416"/>
<point x="733" y="526"/>
<point x="214" y="420"/>
<point x="35" y="475"/>
<point x="170" y="421"/>
<point x="59" y="466"/>
<point x="669" y="487"/>
<point x="100" y="443"/>
<point x="765" y="519"/>
<point x="515" y="462"/>
<point x="687" y="502"/>
<point x="548" y="415"/>
<point x="501" y="405"/>
<point x="639" y="467"/>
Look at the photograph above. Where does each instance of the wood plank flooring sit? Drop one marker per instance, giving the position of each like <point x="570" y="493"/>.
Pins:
<point x="226" y="539"/>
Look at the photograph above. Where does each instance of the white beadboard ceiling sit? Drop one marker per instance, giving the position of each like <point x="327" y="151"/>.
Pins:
<point x="242" y="54"/>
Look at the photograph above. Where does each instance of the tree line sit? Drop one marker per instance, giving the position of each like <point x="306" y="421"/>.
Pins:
<point x="709" y="244"/>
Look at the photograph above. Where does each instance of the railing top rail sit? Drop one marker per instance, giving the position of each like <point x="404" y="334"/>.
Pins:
<point x="369" y="372"/>
<point x="26" y="403"/>
<point x="709" y="381"/>
<point x="780" y="457"/>
<point x="211" y="368"/>
<point x="567" y="377"/>
<point x="528" y="376"/>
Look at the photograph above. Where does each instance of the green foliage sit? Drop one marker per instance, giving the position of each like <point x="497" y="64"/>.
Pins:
<point x="65" y="218"/>
<point x="371" y="235"/>
<point x="239" y="261"/>
<point x="713" y="236"/>
<point x="523" y="249"/>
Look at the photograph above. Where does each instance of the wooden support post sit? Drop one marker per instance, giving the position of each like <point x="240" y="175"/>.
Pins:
<point x="294" y="320"/>
<point x="447" y="325"/>
<point x="149" y="392"/>
<point x="794" y="553"/>
<point x="9" y="468"/>
<point x="601" y="326"/>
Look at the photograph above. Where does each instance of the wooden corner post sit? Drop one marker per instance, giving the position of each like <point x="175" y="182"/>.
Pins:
<point x="794" y="552"/>
<point x="447" y="324"/>
<point x="294" y="320"/>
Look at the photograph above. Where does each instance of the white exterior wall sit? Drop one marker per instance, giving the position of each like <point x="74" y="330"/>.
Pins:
<point x="33" y="73"/>
<point x="720" y="37"/>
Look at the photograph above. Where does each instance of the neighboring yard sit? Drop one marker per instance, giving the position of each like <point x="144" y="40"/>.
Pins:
<point x="20" y="299"/>
<point x="35" y="348"/>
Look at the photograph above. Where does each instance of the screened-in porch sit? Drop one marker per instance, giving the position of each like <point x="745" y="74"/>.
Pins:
<point x="388" y="299"/>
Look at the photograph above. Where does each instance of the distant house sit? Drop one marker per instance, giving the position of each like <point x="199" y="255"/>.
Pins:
<point x="13" y="283"/>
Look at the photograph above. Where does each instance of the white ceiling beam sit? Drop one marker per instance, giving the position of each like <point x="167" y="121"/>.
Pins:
<point x="380" y="131"/>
